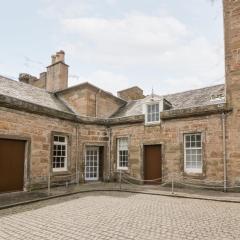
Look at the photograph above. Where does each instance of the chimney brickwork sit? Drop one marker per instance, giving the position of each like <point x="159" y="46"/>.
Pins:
<point x="133" y="93"/>
<point x="56" y="77"/>
<point x="32" y="80"/>
<point x="57" y="73"/>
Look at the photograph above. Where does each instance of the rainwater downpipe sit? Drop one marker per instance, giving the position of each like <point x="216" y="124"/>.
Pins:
<point x="77" y="153"/>
<point x="224" y="152"/>
<point x="109" y="150"/>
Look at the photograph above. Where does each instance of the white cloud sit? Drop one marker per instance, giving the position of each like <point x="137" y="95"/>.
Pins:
<point x="137" y="39"/>
<point x="162" y="45"/>
<point x="58" y="9"/>
<point x="133" y="39"/>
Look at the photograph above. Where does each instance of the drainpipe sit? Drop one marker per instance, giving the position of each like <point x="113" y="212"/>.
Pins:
<point x="109" y="150"/>
<point x="224" y="152"/>
<point x="77" y="153"/>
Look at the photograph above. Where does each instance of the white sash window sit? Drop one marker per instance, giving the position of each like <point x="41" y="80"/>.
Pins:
<point x="193" y="153"/>
<point x="59" y="162"/>
<point x="122" y="153"/>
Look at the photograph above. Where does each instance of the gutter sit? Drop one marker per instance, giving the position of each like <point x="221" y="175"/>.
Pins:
<point x="20" y="105"/>
<point x="14" y="103"/>
<point x="195" y="111"/>
<point x="109" y="151"/>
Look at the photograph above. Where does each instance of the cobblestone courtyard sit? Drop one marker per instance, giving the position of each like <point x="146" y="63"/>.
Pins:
<point x="115" y="215"/>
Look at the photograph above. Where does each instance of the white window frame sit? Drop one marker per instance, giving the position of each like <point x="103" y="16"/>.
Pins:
<point x="89" y="163"/>
<point x="118" y="155"/>
<point x="57" y="143"/>
<point x="187" y="169"/>
<point x="146" y="112"/>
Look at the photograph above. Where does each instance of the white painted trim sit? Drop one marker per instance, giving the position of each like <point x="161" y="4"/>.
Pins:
<point x="65" y="143"/>
<point x="192" y="170"/>
<point x="85" y="170"/>
<point x="152" y="102"/>
<point x="118" y="167"/>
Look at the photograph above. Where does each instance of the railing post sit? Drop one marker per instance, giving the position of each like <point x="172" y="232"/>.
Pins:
<point x="49" y="183"/>
<point x="120" y="179"/>
<point x="78" y="177"/>
<point x="172" y="185"/>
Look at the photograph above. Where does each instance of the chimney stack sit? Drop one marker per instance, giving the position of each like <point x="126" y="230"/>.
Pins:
<point x="133" y="93"/>
<point x="57" y="73"/>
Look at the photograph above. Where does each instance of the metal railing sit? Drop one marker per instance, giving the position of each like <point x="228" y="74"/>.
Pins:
<point x="174" y="181"/>
<point x="123" y="179"/>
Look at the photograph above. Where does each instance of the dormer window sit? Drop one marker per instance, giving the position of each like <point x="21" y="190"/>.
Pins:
<point x="217" y="97"/>
<point x="152" y="112"/>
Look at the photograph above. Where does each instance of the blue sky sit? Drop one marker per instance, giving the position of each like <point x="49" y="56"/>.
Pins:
<point x="167" y="45"/>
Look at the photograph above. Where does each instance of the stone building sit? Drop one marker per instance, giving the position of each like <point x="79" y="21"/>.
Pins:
<point x="83" y="133"/>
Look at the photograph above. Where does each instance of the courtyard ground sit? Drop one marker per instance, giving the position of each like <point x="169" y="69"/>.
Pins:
<point x="20" y="198"/>
<point x="121" y="215"/>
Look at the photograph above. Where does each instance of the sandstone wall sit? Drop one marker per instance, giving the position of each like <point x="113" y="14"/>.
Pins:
<point x="38" y="131"/>
<point x="232" y="59"/>
<point x="89" y="101"/>
<point x="170" y="135"/>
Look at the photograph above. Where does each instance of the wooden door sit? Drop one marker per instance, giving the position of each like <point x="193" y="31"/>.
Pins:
<point x="152" y="162"/>
<point x="12" y="154"/>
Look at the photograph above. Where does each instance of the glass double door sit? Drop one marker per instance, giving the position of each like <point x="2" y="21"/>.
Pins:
<point x="92" y="163"/>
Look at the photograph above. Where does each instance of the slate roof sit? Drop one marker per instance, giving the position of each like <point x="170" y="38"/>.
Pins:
<point x="182" y="100"/>
<point x="31" y="94"/>
<point x="197" y="97"/>
<point x="41" y="97"/>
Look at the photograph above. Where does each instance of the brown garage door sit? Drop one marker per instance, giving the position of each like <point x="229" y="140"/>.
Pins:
<point x="11" y="165"/>
<point x="152" y="162"/>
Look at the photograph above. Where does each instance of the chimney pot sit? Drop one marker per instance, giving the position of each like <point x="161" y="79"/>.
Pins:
<point x="57" y="73"/>
<point x="53" y="59"/>
<point x="60" y="56"/>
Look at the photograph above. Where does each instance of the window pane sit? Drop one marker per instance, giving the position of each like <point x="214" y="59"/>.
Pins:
<point x="198" y="144"/>
<point x="59" y="152"/>
<point x="153" y="108"/>
<point x="153" y="112"/>
<point x="193" y="137"/>
<point x="198" y="138"/>
<point x="199" y="151"/>
<point x="61" y="139"/>
<point x="149" y="109"/>
<point x="153" y="117"/>
<point x="193" y="144"/>
<point x="193" y="152"/>
<point x="122" y="152"/>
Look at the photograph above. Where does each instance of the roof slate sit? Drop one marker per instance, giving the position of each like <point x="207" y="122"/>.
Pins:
<point x="31" y="94"/>
<point x="182" y="100"/>
<point x="41" y="97"/>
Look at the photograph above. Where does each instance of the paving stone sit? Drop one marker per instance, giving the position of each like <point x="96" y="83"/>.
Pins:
<point x="121" y="216"/>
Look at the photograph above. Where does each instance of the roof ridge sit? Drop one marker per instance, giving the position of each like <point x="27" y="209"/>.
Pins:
<point x="26" y="84"/>
<point x="192" y="90"/>
<point x="32" y="94"/>
<point x="90" y="84"/>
